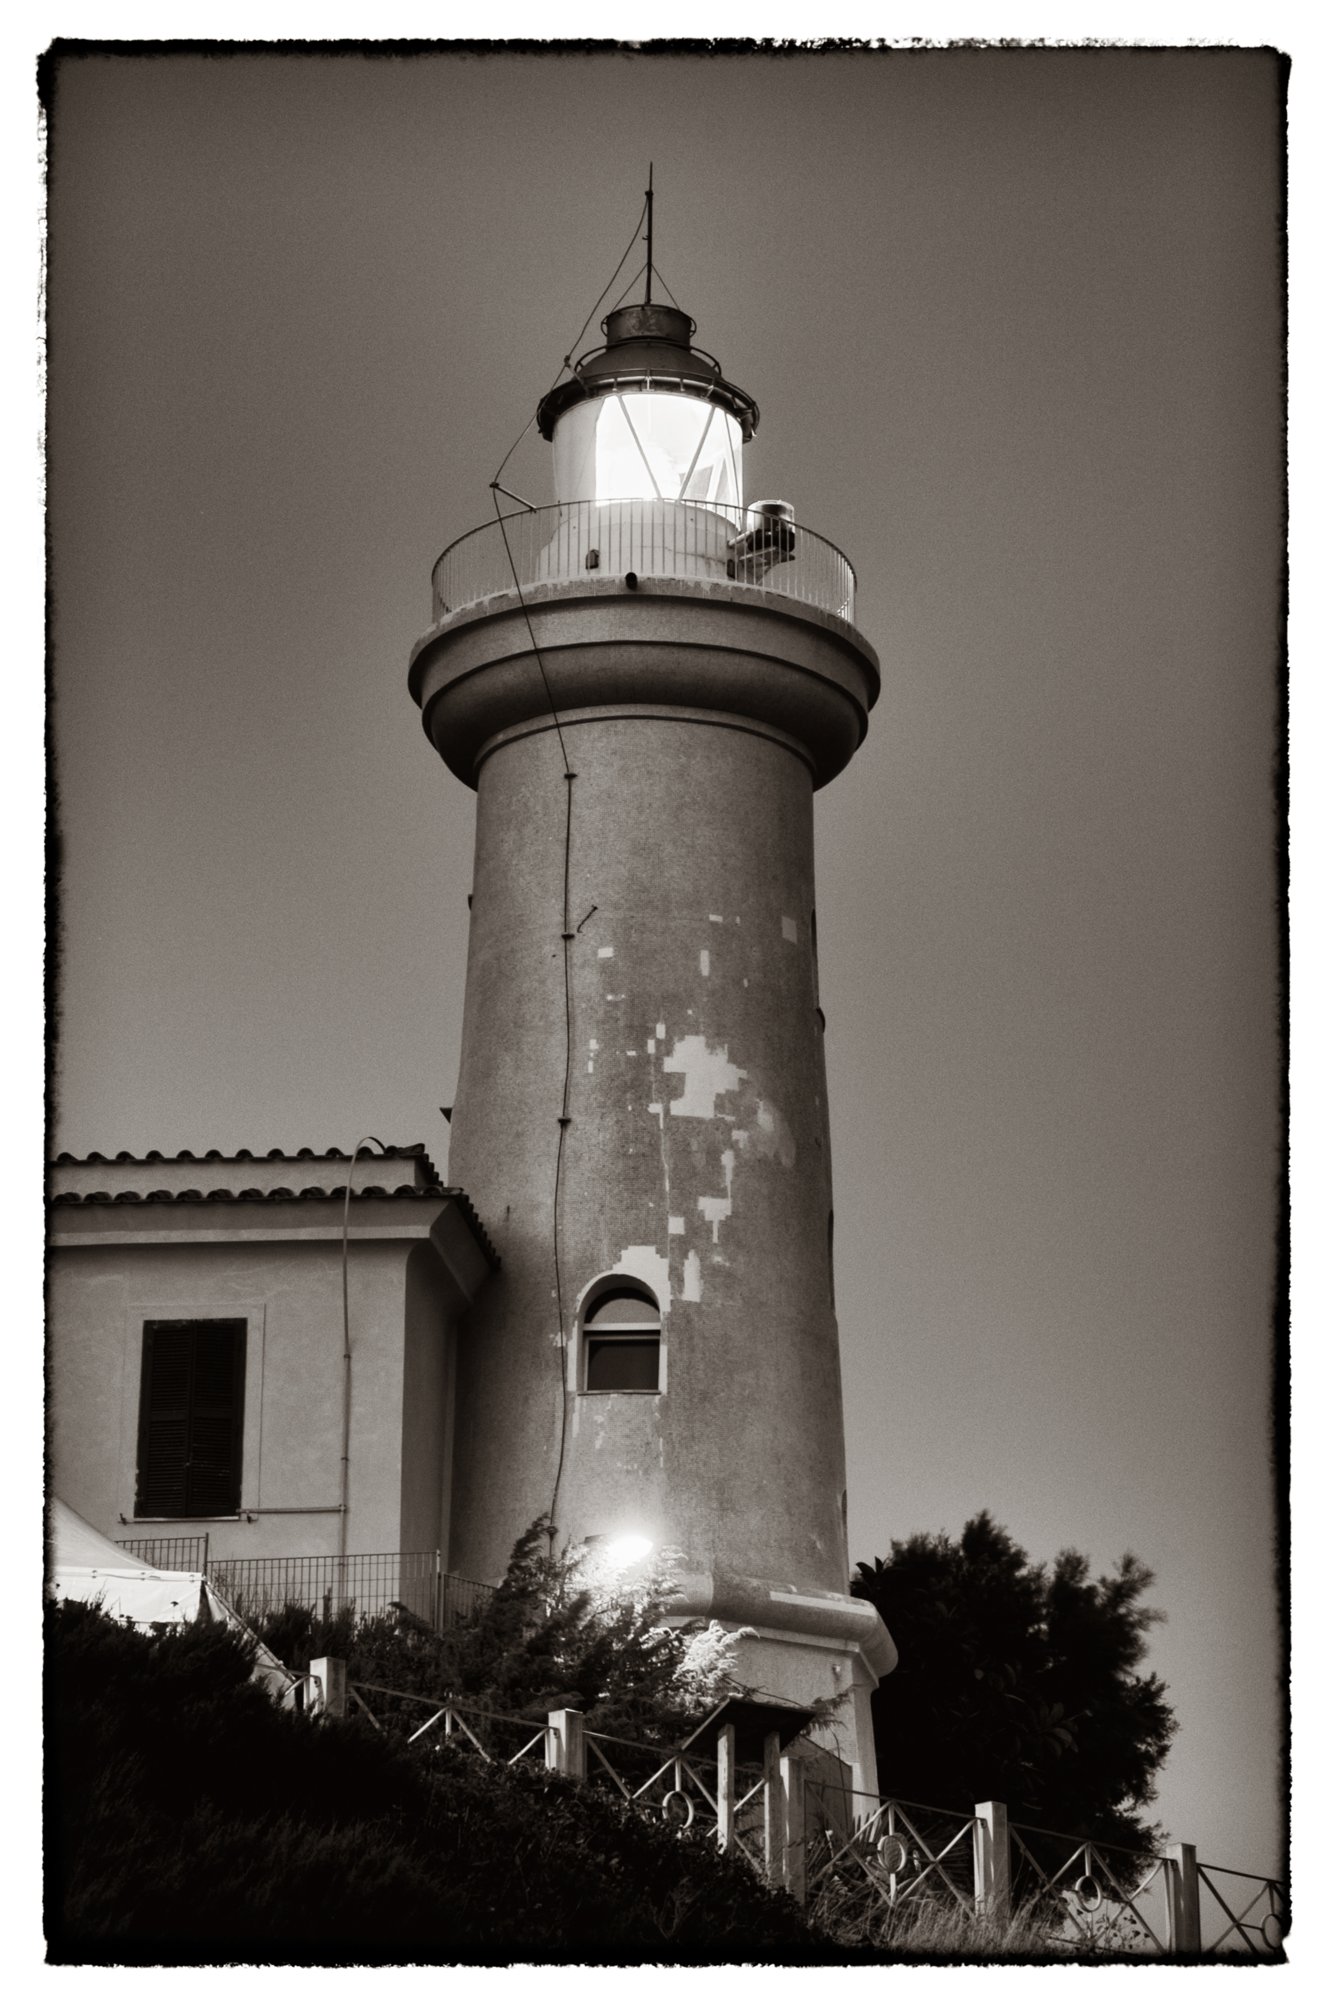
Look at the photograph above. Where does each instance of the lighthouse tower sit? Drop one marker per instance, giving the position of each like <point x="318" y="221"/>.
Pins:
<point x="645" y="683"/>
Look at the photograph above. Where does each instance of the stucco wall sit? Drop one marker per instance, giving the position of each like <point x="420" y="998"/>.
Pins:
<point x="290" y="1294"/>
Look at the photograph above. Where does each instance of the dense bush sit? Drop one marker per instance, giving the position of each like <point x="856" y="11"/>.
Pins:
<point x="557" y="1632"/>
<point x="189" y="1819"/>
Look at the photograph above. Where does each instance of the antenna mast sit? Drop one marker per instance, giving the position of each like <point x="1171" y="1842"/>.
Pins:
<point x="650" y="227"/>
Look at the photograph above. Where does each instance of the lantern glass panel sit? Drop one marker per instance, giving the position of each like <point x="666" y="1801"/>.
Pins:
<point x="643" y="446"/>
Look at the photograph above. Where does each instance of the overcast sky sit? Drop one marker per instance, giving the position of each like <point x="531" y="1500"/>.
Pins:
<point x="1013" y="320"/>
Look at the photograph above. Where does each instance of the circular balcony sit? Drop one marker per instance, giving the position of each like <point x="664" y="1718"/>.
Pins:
<point x="673" y="539"/>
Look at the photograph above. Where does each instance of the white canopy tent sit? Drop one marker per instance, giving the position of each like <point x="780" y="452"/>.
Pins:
<point x="88" y="1568"/>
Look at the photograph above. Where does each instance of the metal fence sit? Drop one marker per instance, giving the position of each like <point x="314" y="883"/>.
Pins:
<point x="429" y="1720"/>
<point x="1242" y="1916"/>
<point x="1090" y="1896"/>
<point x="1067" y="1897"/>
<point x="362" y="1584"/>
<point x="169" y="1551"/>
<point x="738" y="1806"/>
<point x="889" y="1861"/>
<point x="650" y="538"/>
<point x="912" y="1877"/>
<point x="680" y="1784"/>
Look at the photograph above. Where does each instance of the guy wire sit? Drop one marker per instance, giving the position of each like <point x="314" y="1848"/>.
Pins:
<point x="672" y="300"/>
<point x="576" y="343"/>
<point x="628" y="287"/>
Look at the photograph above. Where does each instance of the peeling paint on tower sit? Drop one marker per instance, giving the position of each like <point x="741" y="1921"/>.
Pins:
<point x="707" y="1074"/>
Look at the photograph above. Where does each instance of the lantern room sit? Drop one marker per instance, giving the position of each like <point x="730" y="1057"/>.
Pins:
<point x="647" y="438"/>
<point x="648" y="417"/>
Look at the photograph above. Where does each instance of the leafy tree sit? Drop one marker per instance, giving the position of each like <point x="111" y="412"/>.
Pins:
<point x="1018" y="1682"/>
<point x="560" y="1630"/>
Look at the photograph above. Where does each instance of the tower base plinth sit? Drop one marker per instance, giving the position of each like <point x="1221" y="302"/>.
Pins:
<point x="821" y="1649"/>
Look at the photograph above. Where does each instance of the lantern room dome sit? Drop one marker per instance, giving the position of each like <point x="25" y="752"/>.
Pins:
<point x="648" y="350"/>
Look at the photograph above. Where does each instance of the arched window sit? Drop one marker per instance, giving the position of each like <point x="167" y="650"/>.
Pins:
<point x="621" y="1343"/>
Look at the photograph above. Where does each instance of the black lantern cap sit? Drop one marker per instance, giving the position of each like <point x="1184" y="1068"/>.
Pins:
<point x="648" y="347"/>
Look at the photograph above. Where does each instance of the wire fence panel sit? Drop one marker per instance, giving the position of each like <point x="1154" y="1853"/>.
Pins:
<point x="649" y="538"/>
<point x="365" y="1584"/>
<point x="1240" y="1915"/>
<point x="169" y="1551"/>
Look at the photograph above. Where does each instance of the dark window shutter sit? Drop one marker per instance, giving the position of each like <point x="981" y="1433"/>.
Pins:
<point x="191" y="1417"/>
<point x="163" y="1442"/>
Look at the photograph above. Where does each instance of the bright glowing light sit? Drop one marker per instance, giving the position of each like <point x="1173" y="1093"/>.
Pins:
<point x="642" y="446"/>
<point x="626" y="1549"/>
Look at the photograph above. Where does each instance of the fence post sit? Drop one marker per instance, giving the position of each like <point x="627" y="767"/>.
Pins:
<point x="329" y="1678"/>
<point x="565" y="1743"/>
<point x="725" y="1784"/>
<point x="992" y="1863"/>
<point x="772" y="1802"/>
<point x="795" y="1828"/>
<point x="1183" y="1900"/>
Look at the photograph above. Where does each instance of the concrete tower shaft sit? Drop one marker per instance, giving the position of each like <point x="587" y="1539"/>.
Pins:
<point x="698" y="717"/>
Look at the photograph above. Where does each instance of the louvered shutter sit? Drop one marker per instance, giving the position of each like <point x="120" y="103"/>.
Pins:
<point x="191" y="1417"/>
<point x="212" y="1482"/>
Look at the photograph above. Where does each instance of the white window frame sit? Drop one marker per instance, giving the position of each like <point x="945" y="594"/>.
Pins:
<point x="635" y="1330"/>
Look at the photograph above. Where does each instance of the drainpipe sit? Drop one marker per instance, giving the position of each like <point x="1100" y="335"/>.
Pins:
<point x="344" y="1507"/>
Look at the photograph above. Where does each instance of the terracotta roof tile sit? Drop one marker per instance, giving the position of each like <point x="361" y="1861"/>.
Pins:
<point x="435" y="1191"/>
<point x="416" y="1151"/>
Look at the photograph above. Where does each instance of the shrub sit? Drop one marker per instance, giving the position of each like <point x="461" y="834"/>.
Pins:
<point x="189" y="1819"/>
<point x="559" y="1631"/>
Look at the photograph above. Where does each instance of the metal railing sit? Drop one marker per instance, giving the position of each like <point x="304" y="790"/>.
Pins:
<point x="1240" y="1915"/>
<point x="679" y="1784"/>
<point x="896" y="1854"/>
<point x="364" y="1584"/>
<point x="580" y="539"/>
<point x="497" y="1738"/>
<point x="869" y="1863"/>
<point x="867" y="1868"/>
<point x="1091" y="1896"/>
<point x="169" y="1551"/>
